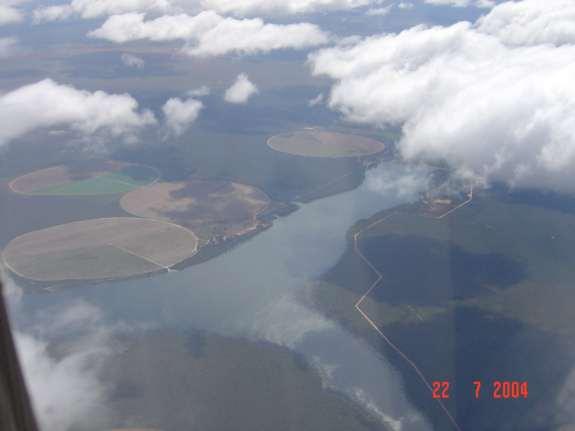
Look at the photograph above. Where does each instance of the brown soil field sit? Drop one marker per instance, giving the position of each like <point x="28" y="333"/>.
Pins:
<point x="322" y="143"/>
<point x="63" y="175"/>
<point x="212" y="209"/>
<point x="99" y="249"/>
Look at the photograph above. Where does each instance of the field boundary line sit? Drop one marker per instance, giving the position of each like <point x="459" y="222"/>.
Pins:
<point x="114" y="180"/>
<point x="125" y="250"/>
<point x="461" y="205"/>
<point x="378" y="330"/>
<point x="9" y="267"/>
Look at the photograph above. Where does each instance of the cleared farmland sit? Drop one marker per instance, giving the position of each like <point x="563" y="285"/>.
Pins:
<point x="99" y="249"/>
<point x="212" y="209"/>
<point x="91" y="177"/>
<point x="322" y="143"/>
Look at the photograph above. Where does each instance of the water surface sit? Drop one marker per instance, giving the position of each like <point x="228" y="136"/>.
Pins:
<point x="253" y="291"/>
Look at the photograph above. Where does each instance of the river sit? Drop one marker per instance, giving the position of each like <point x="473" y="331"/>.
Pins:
<point x="253" y="290"/>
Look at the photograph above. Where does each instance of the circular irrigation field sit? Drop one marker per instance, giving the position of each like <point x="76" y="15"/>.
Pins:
<point x="322" y="143"/>
<point x="211" y="208"/>
<point x="85" y="178"/>
<point x="99" y="249"/>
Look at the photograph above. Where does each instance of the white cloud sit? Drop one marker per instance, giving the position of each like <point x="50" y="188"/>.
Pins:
<point x="82" y="315"/>
<point x="317" y="100"/>
<point x="379" y="11"/>
<point x="63" y="391"/>
<point x="65" y="388"/>
<point x="531" y="22"/>
<point x="254" y="36"/>
<point x="406" y="182"/>
<point x="52" y="13"/>
<point x="455" y="3"/>
<point x="8" y="46"/>
<point x="241" y="90"/>
<point x="272" y="7"/>
<point x="405" y="5"/>
<point x="497" y="112"/>
<point x="181" y="114"/>
<point x="12" y="292"/>
<point x="209" y="34"/>
<point x="9" y="14"/>
<point x="98" y="8"/>
<point x="485" y="4"/>
<point x="34" y="106"/>
<point x="132" y="60"/>
<point x="286" y="322"/>
<point x="462" y="3"/>
<point x="89" y="9"/>
<point x="202" y="91"/>
<point x="362" y="398"/>
<point x="132" y="26"/>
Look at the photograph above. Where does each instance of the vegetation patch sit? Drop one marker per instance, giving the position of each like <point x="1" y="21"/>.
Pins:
<point x="91" y="177"/>
<point x="99" y="249"/>
<point x="213" y="209"/>
<point x="321" y="143"/>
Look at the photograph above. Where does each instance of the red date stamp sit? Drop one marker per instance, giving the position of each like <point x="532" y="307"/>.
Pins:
<point x="498" y="390"/>
<point x="440" y="390"/>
